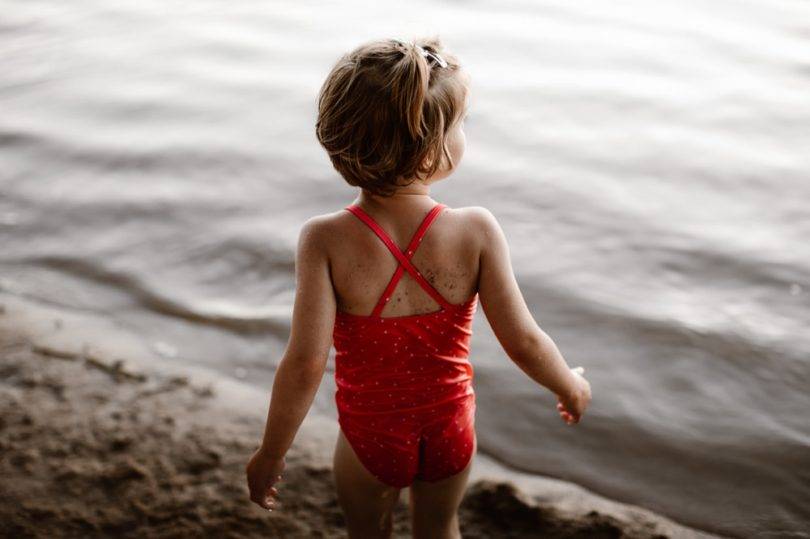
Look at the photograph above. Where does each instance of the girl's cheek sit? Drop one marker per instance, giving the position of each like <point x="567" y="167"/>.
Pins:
<point x="458" y="145"/>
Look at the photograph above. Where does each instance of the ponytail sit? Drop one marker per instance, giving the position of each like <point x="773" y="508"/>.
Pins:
<point x="409" y="87"/>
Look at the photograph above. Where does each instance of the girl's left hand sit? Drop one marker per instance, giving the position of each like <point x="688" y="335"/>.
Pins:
<point x="573" y="406"/>
<point x="262" y="473"/>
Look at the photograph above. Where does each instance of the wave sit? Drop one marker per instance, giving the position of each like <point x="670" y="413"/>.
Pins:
<point x="245" y="321"/>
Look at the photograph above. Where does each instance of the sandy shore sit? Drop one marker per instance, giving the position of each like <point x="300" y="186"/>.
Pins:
<point x="97" y="445"/>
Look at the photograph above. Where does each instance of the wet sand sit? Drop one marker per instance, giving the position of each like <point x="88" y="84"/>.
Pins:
<point x="102" y="446"/>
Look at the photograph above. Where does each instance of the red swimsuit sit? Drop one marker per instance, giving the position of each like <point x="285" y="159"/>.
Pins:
<point x="404" y="383"/>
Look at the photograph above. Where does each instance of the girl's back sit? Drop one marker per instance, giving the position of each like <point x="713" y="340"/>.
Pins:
<point x="361" y="265"/>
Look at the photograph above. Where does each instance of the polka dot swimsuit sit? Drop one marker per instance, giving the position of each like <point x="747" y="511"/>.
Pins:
<point x="404" y="394"/>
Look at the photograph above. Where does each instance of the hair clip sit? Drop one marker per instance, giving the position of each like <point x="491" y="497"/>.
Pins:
<point x="429" y="54"/>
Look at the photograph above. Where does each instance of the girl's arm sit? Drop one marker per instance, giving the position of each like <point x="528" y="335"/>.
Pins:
<point x="513" y="324"/>
<point x="301" y="368"/>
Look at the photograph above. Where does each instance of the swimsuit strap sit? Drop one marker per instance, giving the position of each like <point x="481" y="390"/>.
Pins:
<point x="403" y="258"/>
<point x="415" y="241"/>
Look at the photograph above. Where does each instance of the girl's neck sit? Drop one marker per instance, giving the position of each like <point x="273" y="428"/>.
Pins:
<point x="416" y="194"/>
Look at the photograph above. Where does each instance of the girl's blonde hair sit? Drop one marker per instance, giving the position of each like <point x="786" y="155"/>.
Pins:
<point x="385" y="110"/>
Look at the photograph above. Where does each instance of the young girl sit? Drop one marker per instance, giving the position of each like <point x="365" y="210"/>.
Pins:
<point x="393" y="281"/>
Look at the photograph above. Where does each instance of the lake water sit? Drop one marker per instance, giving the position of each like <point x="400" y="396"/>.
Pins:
<point x="648" y="161"/>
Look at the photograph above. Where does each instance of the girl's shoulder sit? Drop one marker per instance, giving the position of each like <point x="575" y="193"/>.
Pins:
<point x="478" y="221"/>
<point x="475" y="215"/>
<point x="333" y="223"/>
<point x="320" y="231"/>
<point x="326" y="220"/>
<point x="474" y="226"/>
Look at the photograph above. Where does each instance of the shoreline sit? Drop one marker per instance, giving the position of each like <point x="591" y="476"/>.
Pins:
<point x="102" y="437"/>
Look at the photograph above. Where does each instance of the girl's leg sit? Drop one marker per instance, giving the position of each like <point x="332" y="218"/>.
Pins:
<point x="367" y="503"/>
<point x="434" y="505"/>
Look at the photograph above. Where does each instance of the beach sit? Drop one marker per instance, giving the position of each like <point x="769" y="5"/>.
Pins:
<point x="100" y="442"/>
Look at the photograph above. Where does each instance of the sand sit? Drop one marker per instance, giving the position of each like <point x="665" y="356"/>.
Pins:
<point x="101" y="446"/>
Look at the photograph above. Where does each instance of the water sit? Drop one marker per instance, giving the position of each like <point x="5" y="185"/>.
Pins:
<point x="648" y="161"/>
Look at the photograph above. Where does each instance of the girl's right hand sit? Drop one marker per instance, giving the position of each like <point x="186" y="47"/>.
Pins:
<point x="262" y="474"/>
<point x="572" y="405"/>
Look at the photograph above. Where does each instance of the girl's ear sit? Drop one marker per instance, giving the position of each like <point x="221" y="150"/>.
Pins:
<point x="428" y="160"/>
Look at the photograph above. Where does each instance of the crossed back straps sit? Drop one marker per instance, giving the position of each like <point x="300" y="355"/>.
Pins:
<point x="403" y="258"/>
